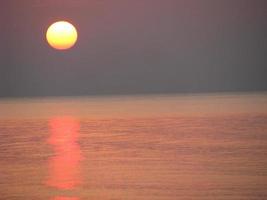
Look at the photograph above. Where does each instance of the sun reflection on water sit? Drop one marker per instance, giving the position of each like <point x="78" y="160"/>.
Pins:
<point x="64" y="166"/>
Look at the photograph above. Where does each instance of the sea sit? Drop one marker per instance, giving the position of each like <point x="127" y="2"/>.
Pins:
<point x="139" y="147"/>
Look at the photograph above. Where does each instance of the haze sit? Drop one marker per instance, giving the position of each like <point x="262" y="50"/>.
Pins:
<point x="130" y="47"/>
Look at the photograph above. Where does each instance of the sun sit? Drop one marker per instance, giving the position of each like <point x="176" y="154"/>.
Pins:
<point x="61" y="35"/>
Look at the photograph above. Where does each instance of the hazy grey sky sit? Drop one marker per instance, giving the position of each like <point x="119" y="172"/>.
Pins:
<point x="134" y="46"/>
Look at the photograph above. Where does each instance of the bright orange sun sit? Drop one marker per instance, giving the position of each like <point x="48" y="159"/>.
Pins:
<point x="61" y="35"/>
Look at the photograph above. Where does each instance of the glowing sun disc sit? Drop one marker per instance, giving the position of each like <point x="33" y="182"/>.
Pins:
<point x="61" y="35"/>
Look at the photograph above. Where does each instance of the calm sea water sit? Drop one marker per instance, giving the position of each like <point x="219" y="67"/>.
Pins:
<point x="206" y="147"/>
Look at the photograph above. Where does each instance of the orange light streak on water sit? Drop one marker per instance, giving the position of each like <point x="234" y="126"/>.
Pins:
<point x="64" y="166"/>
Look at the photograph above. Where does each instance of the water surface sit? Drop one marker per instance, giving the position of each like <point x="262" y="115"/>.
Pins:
<point x="165" y="147"/>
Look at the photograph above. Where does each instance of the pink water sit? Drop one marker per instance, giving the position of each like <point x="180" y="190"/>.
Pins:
<point x="211" y="146"/>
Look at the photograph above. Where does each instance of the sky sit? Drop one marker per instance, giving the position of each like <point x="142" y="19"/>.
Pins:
<point x="134" y="47"/>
